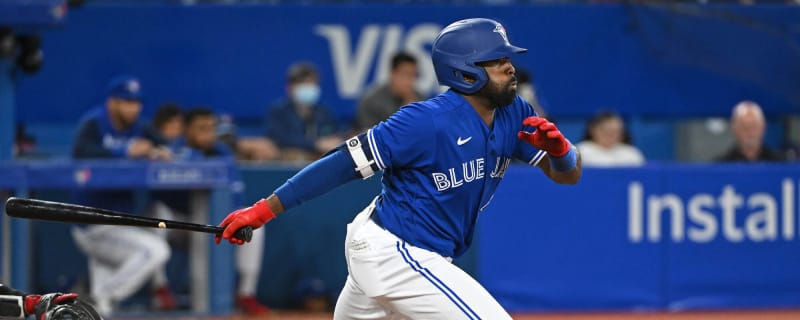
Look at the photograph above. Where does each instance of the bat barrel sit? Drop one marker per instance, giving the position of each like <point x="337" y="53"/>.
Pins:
<point x="73" y="213"/>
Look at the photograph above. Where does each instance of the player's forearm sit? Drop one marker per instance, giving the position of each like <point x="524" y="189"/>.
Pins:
<point x="565" y="177"/>
<point x="316" y="179"/>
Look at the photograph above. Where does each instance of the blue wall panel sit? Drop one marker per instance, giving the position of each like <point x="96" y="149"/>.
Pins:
<point x="675" y="60"/>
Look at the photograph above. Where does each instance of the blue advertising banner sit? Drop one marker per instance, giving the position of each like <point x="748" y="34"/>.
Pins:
<point x="675" y="237"/>
<point x="665" y="236"/>
<point x="676" y="60"/>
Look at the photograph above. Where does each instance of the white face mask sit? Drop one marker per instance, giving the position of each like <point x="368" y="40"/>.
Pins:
<point x="306" y="94"/>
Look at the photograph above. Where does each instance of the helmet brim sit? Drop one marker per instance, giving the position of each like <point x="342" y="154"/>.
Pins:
<point x="506" y="51"/>
<point x="515" y="49"/>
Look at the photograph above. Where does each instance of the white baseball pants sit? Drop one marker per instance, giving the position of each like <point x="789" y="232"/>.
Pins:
<point x="121" y="259"/>
<point x="391" y="279"/>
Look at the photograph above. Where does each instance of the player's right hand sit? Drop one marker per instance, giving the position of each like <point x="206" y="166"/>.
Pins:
<point x="255" y="216"/>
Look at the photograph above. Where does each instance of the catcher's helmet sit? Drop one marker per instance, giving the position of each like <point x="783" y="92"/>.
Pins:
<point x="77" y="310"/>
<point x="462" y="44"/>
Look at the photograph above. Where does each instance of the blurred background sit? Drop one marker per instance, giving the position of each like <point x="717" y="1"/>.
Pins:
<point x="687" y="115"/>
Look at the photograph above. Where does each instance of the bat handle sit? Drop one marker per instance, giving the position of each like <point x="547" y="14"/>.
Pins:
<point x="244" y="233"/>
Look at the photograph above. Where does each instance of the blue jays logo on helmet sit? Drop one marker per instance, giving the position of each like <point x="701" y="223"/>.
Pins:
<point x="502" y="31"/>
<point x="461" y="45"/>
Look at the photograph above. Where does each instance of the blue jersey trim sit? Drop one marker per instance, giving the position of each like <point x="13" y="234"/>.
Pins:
<point x="537" y="158"/>
<point x="427" y="274"/>
<point x="374" y="148"/>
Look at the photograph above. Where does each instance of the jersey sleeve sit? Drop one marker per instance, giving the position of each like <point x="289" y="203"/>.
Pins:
<point x="403" y="140"/>
<point x="89" y="143"/>
<point x="406" y="139"/>
<point x="525" y="151"/>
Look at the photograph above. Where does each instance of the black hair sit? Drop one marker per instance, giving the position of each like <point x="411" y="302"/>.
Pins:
<point x="599" y="118"/>
<point x="198" y="112"/>
<point x="301" y="71"/>
<point x="402" y="57"/>
<point x="165" y="113"/>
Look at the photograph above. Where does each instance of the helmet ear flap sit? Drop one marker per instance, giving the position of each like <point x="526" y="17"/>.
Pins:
<point x="472" y="78"/>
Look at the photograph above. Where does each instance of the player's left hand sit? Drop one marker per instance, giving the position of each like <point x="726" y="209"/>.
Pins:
<point x="255" y="216"/>
<point x="40" y="304"/>
<point x="546" y="137"/>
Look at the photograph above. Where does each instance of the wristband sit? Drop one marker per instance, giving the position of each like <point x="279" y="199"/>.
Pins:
<point x="565" y="163"/>
<point x="264" y="210"/>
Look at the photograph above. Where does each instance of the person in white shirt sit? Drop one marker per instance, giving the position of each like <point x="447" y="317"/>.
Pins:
<point x="605" y="143"/>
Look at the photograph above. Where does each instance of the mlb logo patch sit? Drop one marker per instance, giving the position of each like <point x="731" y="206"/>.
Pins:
<point x="82" y="176"/>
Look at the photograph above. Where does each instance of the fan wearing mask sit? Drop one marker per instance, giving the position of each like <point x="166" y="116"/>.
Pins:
<point x="301" y="127"/>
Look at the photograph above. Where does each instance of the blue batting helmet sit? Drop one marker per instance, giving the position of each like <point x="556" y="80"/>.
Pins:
<point x="464" y="43"/>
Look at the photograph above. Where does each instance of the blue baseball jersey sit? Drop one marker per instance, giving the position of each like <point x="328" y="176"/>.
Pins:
<point x="182" y="151"/>
<point x="97" y="138"/>
<point x="442" y="164"/>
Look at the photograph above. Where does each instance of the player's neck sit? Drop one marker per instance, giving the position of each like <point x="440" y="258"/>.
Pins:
<point x="483" y="107"/>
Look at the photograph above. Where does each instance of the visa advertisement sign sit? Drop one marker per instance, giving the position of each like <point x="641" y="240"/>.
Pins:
<point x="659" y="237"/>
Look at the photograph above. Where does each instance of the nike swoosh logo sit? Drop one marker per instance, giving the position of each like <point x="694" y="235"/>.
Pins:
<point x="460" y="142"/>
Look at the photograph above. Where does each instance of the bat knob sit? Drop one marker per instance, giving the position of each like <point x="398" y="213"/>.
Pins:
<point x="245" y="233"/>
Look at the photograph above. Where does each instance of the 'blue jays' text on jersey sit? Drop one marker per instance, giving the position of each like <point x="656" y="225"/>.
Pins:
<point x="442" y="165"/>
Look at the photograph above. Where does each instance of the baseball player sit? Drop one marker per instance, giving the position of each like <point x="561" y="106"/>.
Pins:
<point x="442" y="160"/>
<point x="121" y="259"/>
<point x="52" y="306"/>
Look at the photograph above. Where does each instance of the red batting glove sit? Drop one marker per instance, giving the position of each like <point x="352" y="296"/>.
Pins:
<point x="546" y="137"/>
<point x="32" y="301"/>
<point x="255" y="216"/>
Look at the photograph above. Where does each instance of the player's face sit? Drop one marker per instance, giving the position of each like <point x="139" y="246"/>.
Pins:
<point x="608" y="133"/>
<point x="749" y="130"/>
<point x="403" y="77"/>
<point x="501" y="89"/>
<point x="201" y="133"/>
<point x="172" y="129"/>
<point x="126" y="112"/>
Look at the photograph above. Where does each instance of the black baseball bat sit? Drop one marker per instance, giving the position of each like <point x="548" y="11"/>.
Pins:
<point x="73" y="213"/>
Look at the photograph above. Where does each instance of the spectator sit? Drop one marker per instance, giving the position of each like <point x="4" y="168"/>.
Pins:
<point x="748" y="126"/>
<point x="246" y="148"/>
<point x="606" y="143"/>
<point x="300" y="126"/>
<point x="121" y="259"/>
<point x="200" y="142"/>
<point x="381" y="101"/>
<point x="167" y="125"/>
